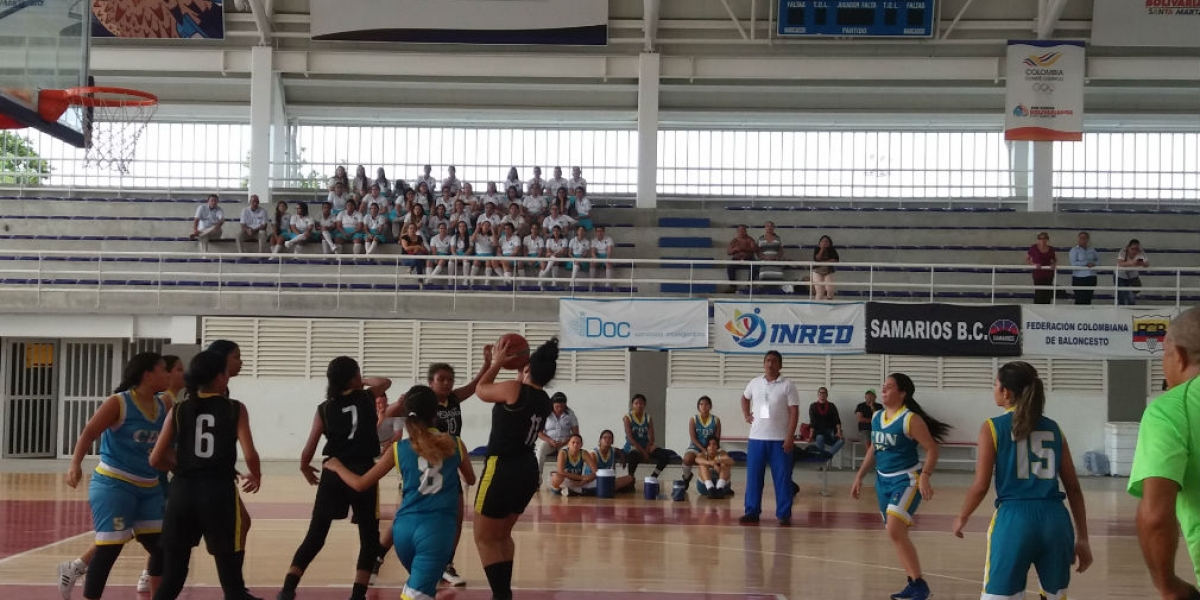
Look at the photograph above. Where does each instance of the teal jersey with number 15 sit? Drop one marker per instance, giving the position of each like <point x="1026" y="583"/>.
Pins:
<point x="1027" y="469"/>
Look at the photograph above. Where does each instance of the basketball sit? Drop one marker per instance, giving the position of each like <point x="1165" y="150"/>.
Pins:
<point x="520" y="348"/>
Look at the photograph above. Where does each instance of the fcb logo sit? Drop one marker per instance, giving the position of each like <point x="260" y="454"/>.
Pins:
<point x="1149" y="331"/>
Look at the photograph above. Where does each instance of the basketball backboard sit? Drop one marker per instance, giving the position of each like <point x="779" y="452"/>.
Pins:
<point x="43" y="45"/>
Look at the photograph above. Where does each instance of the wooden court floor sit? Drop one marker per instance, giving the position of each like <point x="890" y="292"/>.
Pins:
<point x="582" y="548"/>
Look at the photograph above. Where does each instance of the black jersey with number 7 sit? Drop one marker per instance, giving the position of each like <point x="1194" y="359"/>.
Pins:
<point x="206" y="430"/>
<point x="350" y="432"/>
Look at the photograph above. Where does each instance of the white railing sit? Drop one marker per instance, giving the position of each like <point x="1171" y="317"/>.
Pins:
<point x="171" y="275"/>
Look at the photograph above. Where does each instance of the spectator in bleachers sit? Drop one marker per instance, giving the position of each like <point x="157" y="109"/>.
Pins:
<point x="328" y="225"/>
<point x="424" y="196"/>
<point x="640" y="440"/>
<point x="350" y="227"/>
<point x="513" y="181"/>
<point x="605" y="456"/>
<point x="446" y="199"/>
<point x="511" y="196"/>
<point x="562" y="200"/>
<point x="418" y="219"/>
<point x="437" y="218"/>
<point x="572" y="476"/>
<point x="510" y="246"/>
<point x="826" y="424"/>
<point x="374" y="197"/>
<point x="535" y="247"/>
<point x="702" y="426"/>
<point x="557" y="218"/>
<point x="582" y="207"/>
<point x="602" y="253"/>
<point x="460" y="246"/>
<point x="560" y="425"/>
<point x="556" y="183"/>
<point x="581" y="249"/>
<point x="468" y="197"/>
<point x="441" y="245"/>
<point x="557" y="247"/>
<point x="361" y="183"/>
<point x="535" y="203"/>
<point x="536" y="180"/>
<point x="1083" y="278"/>
<point x="500" y="200"/>
<point x="516" y="219"/>
<point x="822" y="274"/>
<point x="428" y="180"/>
<point x="254" y="224"/>
<point x="413" y="244"/>
<point x="741" y="248"/>
<point x="770" y="251"/>
<point x="338" y="196"/>
<point x="280" y="224"/>
<point x="485" y="249"/>
<point x="339" y="176"/>
<point x="1129" y="281"/>
<point x="864" y="412"/>
<point x="376" y="229"/>
<point x="577" y="181"/>
<point x="302" y="230"/>
<point x="490" y="215"/>
<point x="714" y="460"/>
<point x="459" y="213"/>
<point x="451" y="181"/>
<point x="1041" y="257"/>
<point x="206" y="225"/>
<point x="385" y="186"/>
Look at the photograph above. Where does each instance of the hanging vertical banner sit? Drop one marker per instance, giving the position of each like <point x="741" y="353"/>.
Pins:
<point x="1162" y="23"/>
<point x="663" y="324"/>
<point x="1044" y="91"/>
<point x="1118" y="332"/>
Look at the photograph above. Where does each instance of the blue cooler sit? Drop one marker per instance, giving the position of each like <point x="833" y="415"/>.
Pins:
<point x="679" y="490"/>
<point x="606" y="483"/>
<point x="650" y="489"/>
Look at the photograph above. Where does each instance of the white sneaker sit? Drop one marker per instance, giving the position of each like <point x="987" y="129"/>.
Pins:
<point x="452" y="577"/>
<point x="68" y="573"/>
<point x="143" y="584"/>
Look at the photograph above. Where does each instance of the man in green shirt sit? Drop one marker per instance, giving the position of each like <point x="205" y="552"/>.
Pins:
<point x="1166" y="465"/>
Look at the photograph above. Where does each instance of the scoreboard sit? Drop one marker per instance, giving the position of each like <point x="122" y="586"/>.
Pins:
<point x="857" y="18"/>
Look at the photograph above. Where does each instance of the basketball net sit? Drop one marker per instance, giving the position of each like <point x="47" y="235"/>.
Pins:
<point x="113" y="134"/>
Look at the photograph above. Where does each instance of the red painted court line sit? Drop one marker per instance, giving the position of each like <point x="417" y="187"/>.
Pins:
<point x="28" y="592"/>
<point x="29" y="524"/>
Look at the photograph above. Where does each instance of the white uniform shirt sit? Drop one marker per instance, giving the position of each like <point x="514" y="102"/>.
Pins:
<point x="769" y="402"/>
<point x="536" y="180"/>
<point x="494" y="219"/>
<point x="368" y="201"/>
<point x="579" y="247"/>
<point x="209" y="216"/>
<point x="553" y="184"/>
<point x="513" y="183"/>
<point x="560" y="428"/>
<point x="534" y="245"/>
<point x="576" y="183"/>
<point x="499" y="200"/>
<point x="420" y="222"/>
<point x="301" y="223"/>
<point x="429" y="181"/>
<point x="536" y="205"/>
<point x="510" y="246"/>
<point x="254" y="219"/>
<point x="518" y="222"/>
<point x="460" y="245"/>
<point x="327" y="223"/>
<point x="603" y="247"/>
<point x="563" y="222"/>
<point x="453" y="183"/>
<point x="339" y="202"/>
<point x="376" y="223"/>
<point x="583" y="206"/>
<point x="350" y="220"/>
<point x="483" y="244"/>
<point x="555" y="247"/>
<point x="440" y="245"/>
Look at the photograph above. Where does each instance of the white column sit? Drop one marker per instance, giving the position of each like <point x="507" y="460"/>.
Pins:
<point x="1018" y="161"/>
<point x="262" y="91"/>
<point x="647" y="173"/>
<point x="281" y="145"/>
<point x="1041" y="176"/>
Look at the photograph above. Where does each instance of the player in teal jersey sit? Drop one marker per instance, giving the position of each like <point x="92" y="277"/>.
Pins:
<point x="702" y="426"/>
<point x="605" y="456"/>
<point x="1031" y="527"/>
<point x="576" y="470"/>
<point x="901" y="481"/>
<point x="428" y="461"/>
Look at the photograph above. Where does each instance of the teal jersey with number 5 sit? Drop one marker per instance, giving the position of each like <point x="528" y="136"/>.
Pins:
<point x="1027" y="469"/>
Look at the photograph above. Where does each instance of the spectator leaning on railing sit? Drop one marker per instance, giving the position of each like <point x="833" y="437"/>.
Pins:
<point x="1129" y="281"/>
<point x="1083" y="278"/>
<point x="743" y="248"/>
<point x="1041" y="257"/>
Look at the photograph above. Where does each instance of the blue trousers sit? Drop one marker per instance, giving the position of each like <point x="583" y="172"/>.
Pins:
<point x="822" y="442"/>
<point x="760" y="453"/>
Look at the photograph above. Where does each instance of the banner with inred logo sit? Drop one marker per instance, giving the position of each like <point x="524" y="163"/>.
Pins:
<point x="788" y="328"/>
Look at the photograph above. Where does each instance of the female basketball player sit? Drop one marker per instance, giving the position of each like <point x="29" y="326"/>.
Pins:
<point x="510" y="476"/>
<point x="347" y="405"/>
<point x="701" y="427"/>
<point x="69" y="572"/>
<point x="425" y="521"/>
<point x="639" y="439"/>
<point x="901" y="482"/>
<point x="233" y="359"/>
<point x="714" y="461"/>
<point x="199" y="443"/>
<point x="576" y="470"/>
<point x="1031" y="526"/>
<point x="125" y="494"/>
<point x="607" y="457"/>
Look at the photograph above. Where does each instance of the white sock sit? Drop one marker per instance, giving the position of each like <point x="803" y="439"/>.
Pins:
<point x="708" y="484"/>
<point x="721" y="483"/>
<point x="276" y="248"/>
<point x="608" y="272"/>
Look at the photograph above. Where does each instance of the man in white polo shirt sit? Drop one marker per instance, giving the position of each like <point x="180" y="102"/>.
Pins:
<point x="771" y="405"/>
<point x="207" y="223"/>
<point x="561" y="424"/>
<point x="253" y="224"/>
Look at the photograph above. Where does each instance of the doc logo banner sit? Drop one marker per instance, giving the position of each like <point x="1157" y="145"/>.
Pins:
<point x="1044" y="91"/>
<point x="1129" y="333"/>
<point x="943" y="329"/>
<point x="788" y="328"/>
<point x="663" y="324"/>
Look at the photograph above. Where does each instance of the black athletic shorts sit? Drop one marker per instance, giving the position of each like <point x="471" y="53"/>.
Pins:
<point x="335" y="498"/>
<point x="203" y="508"/>
<point x="507" y="485"/>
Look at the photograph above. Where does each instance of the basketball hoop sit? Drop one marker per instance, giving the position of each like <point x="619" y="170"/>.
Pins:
<point x="113" y="122"/>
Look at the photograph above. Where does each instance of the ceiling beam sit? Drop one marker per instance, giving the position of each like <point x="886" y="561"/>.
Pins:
<point x="1049" y="12"/>
<point x="262" y="19"/>
<point x="650" y="22"/>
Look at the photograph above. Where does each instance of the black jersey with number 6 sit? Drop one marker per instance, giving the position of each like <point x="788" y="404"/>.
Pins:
<point x="515" y="427"/>
<point x="206" y="429"/>
<point x="350" y="432"/>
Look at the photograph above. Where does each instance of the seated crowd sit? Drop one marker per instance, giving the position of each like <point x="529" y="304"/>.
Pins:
<point x="764" y="254"/>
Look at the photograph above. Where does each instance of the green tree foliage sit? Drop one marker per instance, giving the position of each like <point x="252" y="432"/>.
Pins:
<point x="20" y="164"/>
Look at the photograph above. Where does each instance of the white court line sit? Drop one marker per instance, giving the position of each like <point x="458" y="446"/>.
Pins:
<point x="45" y="546"/>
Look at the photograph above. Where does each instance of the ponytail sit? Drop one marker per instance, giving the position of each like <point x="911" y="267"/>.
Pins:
<point x="937" y="429"/>
<point x="205" y="368"/>
<point x="139" y="365"/>
<point x="543" y="363"/>
<point x="1029" y="396"/>
<point x="421" y="403"/>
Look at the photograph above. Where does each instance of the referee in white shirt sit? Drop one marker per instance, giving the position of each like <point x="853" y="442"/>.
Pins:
<point x="771" y="405"/>
<point x="254" y="225"/>
<point x="560" y="426"/>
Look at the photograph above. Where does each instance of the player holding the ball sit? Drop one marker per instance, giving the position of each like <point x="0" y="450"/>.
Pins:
<point x="510" y="475"/>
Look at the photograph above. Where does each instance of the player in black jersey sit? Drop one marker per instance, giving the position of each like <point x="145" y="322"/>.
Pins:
<point x="510" y="476"/>
<point x="233" y="366"/>
<point x="347" y="419"/>
<point x="199" y="443"/>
